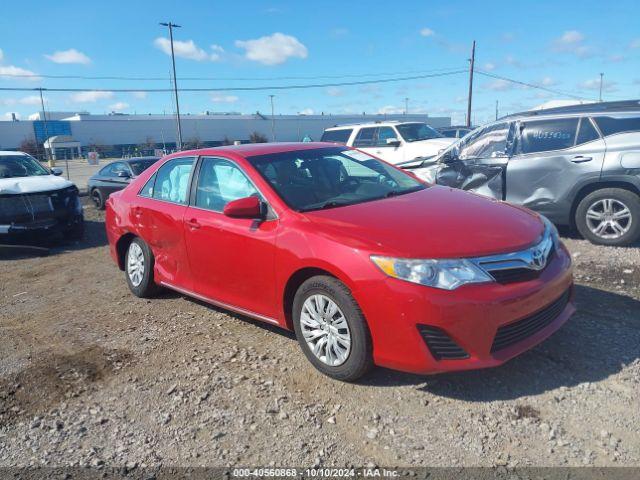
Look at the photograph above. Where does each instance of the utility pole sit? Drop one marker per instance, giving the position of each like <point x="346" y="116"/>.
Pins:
<point x="406" y="106"/>
<point x="471" y="65"/>
<point x="273" y="121"/>
<point x="175" y="82"/>
<point x="601" y="75"/>
<point x="46" y="130"/>
<point x="496" y="109"/>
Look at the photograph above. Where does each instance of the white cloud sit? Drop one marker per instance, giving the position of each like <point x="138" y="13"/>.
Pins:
<point x="1" y="54"/>
<point x="548" y="82"/>
<point x="90" y="97"/>
<point x="273" y="49"/>
<point x="187" y="49"/>
<point x="427" y="32"/>
<point x="572" y="41"/>
<point x="118" y="106"/>
<point x="390" y="109"/>
<point x="635" y="43"/>
<point x="335" y="92"/>
<point x="217" y="52"/>
<point x="139" y="95"/>
<point x="513" y="61"/>
<point x="31" y="100"/>
<point x="594" y="84"/>
<point x="489" y="66"/>
<point x="616" y="58"/>
<point x="499" y="85"/>
<point x="220" y="98"/>
<point x="339" y="32"/>
<point x="17" y="71"/>
<point x="69" y="56"/>
<point x="306" y="111"/>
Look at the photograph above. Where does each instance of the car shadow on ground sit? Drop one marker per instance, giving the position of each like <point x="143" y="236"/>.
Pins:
<point x="43" y="245"/>
<point x="597" y="342"/>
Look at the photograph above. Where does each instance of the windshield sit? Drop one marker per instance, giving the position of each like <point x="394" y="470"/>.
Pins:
<point x="139" y="166"/>
<point x="331" y="177"/>
<point x="414" y="132"/>
<point x="20" y="166"/>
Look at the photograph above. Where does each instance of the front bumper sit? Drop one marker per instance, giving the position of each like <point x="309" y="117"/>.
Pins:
<point x="470" y="316"/>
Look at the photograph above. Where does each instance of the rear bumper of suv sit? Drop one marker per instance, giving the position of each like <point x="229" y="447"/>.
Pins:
<point x="425" y="330"/>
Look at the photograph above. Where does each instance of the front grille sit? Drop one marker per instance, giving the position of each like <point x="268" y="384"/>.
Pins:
<point x="26" y="208"/>
<point x="521" y="274"/>
<point x="515" y="332"/>
<point x="441" y="346"/>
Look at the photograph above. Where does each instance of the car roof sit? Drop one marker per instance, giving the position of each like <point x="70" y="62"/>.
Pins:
<point x="252" y="149"/>
<point x="385" y="123"/>
<point x="11" y="152"/>
<point x="624" y="106"/>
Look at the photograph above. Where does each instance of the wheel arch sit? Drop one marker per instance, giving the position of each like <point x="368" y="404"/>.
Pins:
<point x="300" y="276"/>
<point x="121" y="248"/>
<point x="595" y="186"/>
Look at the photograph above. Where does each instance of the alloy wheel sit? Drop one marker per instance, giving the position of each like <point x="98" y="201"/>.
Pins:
<point x="609" y="218"/>
<point x="95" y="197"/>
<point x="325" y="329"/>
<point x="135" y="264"/>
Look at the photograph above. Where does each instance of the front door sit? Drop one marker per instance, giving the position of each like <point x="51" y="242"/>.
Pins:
<point x="232" y="259"/>
<point x="478" y="163"/>
<point x="550" y="158"/>
<point x="373" y="140"/>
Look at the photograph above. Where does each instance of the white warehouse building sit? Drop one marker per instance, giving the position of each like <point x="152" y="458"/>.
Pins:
<point x="123" y="134"/>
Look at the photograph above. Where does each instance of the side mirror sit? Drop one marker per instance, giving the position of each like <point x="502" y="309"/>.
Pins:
<point x="56" y="171"/>
<point x="393" y="142"/>
<point x="248" y="207"/>
<point x="123" y="174"/>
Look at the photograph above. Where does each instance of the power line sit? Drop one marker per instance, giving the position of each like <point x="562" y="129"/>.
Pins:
<point x="230" y="89"/>
<point x="293" y="77"/>
<point x="531" y="85"/>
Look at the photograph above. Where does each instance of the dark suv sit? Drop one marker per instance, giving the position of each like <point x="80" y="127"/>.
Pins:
<point x="578" y="165"/>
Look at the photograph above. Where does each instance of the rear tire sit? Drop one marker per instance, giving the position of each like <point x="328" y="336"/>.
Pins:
<point x="97" y="197"/>
<point x="138" y="269"/>
<point x="610" y="216"/>
<point x="346" y="353"/>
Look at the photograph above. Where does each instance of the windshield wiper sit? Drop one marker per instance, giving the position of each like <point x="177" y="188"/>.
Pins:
<point x="325" y="205"/>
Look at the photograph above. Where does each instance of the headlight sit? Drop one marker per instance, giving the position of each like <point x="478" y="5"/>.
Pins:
<point x="445" y="274"/>
<point x="553" y="231"/>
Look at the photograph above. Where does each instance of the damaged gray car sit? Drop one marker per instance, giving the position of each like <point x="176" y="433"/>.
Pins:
<point x="579" y="166"/>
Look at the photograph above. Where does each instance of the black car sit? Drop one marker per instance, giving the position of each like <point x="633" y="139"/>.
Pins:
<point x="36" y="204"/>
<point x="115" y="176"/>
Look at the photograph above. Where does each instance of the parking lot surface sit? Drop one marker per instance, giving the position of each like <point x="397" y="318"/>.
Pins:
<point x="91" y="375"/>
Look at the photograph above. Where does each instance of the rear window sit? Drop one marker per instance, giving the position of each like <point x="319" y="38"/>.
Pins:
<point x="337" y="136"/>
<point x="613" y="125"/>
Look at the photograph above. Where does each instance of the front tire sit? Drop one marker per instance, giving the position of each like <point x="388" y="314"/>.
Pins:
<point x="138" y="269"/>
<point x="331" y="329"/>
<point x="97" y="197"/>
<point x="610" y="216"/>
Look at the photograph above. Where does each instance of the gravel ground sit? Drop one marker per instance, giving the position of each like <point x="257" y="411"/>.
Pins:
<point x="91" y="375"/>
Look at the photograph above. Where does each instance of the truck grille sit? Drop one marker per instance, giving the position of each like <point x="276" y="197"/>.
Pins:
<point x="515" y="332"/>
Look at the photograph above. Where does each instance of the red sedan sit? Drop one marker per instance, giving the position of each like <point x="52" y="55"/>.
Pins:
<point x="365" y="263"/>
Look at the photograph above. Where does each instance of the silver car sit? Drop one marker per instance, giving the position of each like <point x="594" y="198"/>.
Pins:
<point x="579" y="166"/>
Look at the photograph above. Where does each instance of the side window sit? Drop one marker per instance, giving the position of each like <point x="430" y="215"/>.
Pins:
<point x="172" y="180"/>
<point x="547" y="135"/>
<point x="365" y="137"/>
<point x="147" y="190"/>
<point x="337" y="136"/>
<point x="113" y="169"/>
<point x="219" y="182"/>
<point x="612" y="125"/>
<point x="488" y="142"/>
<point x="383" y="134"/>
<point x="586" y="132"/>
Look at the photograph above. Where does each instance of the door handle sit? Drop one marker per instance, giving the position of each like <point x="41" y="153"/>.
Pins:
<point x="581" y="159"/>
<point x="193" y="224"/>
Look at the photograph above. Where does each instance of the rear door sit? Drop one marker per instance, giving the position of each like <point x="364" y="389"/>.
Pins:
<point x="478" y="163"/>
<point x="158" y="214"/>
<point x="551" y="157"/>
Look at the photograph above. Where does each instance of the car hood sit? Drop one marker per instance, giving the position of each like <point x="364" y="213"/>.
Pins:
<point x="40" y="183"/>
<point x="437" y="222"/>
<point x="440" y="142"/>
